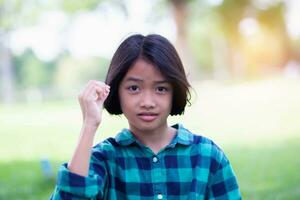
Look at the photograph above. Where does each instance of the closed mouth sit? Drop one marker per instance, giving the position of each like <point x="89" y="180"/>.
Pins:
<point x="147" y="114"/>
<point x="148" y="117"/>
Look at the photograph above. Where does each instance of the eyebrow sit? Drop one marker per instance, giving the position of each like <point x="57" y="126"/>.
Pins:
<point x="141" y="80"/>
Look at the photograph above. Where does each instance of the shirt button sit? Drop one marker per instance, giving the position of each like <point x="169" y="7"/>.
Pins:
<point x="154" y="159"/>
<point x="159" y="196"/>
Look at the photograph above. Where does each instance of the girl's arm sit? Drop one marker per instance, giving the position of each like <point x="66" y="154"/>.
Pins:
<point x="91" y="102"/>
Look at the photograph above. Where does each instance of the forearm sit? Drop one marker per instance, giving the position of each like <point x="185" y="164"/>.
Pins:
<point x="80" y="160"/>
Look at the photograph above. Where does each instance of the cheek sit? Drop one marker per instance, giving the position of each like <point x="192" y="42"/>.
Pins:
<point x="168" y="102"/>
<point x="121" y="99"/>
<point x="126" y="103"/>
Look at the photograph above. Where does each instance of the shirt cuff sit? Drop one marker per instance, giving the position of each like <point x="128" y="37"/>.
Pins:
<point x="83" y="186"/>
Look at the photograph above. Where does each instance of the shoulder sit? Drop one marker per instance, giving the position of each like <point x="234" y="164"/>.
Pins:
<point x="205" y="146"/>
<point x="105" y="149"/>
<point x="112" y="147"/>
<point x="195" y="139"/>
<point x="108" y="144"/>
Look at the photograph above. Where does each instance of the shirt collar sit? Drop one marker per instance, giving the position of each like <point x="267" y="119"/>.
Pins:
<point x="183" y="136"/>
<point x="125" y="137"/>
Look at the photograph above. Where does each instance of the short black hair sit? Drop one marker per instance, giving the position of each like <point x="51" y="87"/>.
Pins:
<point x="156" y="50"/>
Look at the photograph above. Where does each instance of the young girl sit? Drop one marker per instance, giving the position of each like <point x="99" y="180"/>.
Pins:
<point x="150" y="160"/>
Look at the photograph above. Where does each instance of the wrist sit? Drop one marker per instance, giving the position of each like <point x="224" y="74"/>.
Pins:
<point x="91" y="124"/>
<point x="89" y="128"/>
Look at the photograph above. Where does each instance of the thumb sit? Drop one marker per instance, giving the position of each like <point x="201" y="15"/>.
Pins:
<point x="101" y="94"/>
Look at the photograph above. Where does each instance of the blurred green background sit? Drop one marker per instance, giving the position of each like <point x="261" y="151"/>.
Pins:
<point x="241" y="57"/>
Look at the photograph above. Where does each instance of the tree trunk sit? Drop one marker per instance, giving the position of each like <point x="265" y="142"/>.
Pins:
<point x="6" y="71"/>
<point x="181" y="44"/>
<point x="220" y="58"/>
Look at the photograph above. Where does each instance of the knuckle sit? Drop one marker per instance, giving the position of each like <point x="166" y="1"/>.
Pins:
<point x="93" y="81"/>
<point x="100" y="83"/>
<point x="85" y="98"/>
<point x="82" y="97"/>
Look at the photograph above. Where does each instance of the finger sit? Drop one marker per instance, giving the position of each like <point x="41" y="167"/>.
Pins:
<point x="86" y="89"/>
<point x="95" y="82"/>
<point x="95" y="93"/>
<point x="101" y="92"/>
<point x="91" y="84"/>
<point x="91" y="93"/>
<point x="87" y="93"/>
<point x="100" y="83"/>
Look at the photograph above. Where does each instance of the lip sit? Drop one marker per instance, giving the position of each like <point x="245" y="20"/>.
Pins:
<point x="147" y="117"/>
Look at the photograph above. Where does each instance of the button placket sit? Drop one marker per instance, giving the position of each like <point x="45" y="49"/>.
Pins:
<point x="160" y="196"/>
<point x="155" y="159"/>
<point x="157" y="176"/>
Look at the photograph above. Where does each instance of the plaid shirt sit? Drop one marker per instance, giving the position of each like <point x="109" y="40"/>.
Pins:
<point x="190" y="167"/>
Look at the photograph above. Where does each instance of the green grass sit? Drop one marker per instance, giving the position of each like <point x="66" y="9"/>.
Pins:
<point x="255" y="123"/>
<point x="24" y="180"/>
<point x="268" y="172"/>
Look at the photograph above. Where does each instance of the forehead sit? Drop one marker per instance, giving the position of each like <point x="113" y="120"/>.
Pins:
<point x="144" y="70"/>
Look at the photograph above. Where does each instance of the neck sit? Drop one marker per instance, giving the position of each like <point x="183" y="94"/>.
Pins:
<point x="155" y="139"/>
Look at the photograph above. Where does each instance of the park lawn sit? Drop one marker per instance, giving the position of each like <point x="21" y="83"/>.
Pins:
<point x="255" y="123"/>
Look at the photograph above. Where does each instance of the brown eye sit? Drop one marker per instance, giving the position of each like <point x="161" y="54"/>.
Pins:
<point x="133" y="88"/>
<point x="161" y="89"/>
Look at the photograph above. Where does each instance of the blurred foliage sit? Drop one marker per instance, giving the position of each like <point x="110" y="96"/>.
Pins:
<point x="72" y="73"/>
<point x="29" y="72"/>
<point x="230" y="13"/>
<point x="216" y="39"/>
<point x="212" y="32"/>
<point x="65" y="75"/>
<point x="32" y="72"/>
<point x="18" y="13"/>
<point x="74" y="6"/>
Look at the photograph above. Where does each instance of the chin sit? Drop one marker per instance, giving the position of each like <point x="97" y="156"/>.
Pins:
<point x="149" y="127"/>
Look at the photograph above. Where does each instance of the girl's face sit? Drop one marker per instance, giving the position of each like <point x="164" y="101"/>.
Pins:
<point x="145" y="97"/>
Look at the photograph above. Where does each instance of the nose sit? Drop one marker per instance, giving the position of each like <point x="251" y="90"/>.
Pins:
<point x="147" y="100"/>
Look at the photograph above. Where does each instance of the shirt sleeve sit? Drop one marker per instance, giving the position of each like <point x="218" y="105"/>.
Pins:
<point x="72" y="186"/>
<point x="222" y="182"/>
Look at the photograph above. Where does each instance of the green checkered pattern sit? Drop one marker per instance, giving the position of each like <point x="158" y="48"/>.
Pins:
<point x="190" y="167"/>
